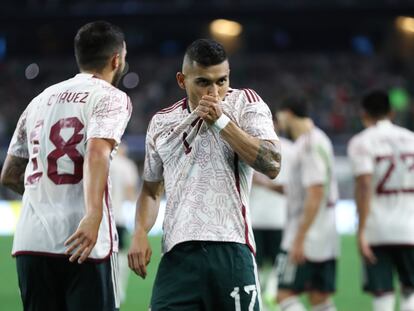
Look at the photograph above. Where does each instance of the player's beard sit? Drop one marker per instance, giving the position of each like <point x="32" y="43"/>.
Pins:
<point x="117" y="76"/>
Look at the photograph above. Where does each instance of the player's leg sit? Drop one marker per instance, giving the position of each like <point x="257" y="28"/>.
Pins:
<point x="231" y="279"/>
<point x="322" y="285"/>
<point x="404" y="263"/>
<point x="123" y="263"/>
<point x="39" y="283"/>
<point x="378" y="280"/>
<point x="292" y="280"/>
<point x="178" y="282"/>
<point x="274" y="240"/>
<point x="92" y="286"/>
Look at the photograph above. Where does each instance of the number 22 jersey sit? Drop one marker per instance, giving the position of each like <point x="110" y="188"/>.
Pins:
<point x="52" y="134"/>
<point x="386" y="152"/>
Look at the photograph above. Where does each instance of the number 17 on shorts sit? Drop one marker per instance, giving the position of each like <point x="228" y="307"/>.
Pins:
<point x="248" y="294"/>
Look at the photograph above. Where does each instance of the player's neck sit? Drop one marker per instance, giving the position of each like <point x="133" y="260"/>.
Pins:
<point x="302" y="126"/>
<point x="106" y="76"/>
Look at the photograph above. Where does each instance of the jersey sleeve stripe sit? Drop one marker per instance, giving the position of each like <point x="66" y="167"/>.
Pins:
<point x="246" y="92"/>
<point x="173" y="107"/>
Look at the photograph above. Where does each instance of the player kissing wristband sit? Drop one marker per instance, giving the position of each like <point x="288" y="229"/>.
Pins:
<point x="221" y="122"/>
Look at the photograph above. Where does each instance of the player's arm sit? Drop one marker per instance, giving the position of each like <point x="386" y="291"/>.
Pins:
<point x="95" y="176"/>
<point x="363" y="201"/>
<point x="140" y="252"/>
<point x="12" y="174"/>
<point x="263" y="181"/>
<point x="262" y="155"/>
<point x="313" y="200"/>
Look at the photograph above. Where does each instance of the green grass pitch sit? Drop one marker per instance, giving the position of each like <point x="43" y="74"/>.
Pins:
<point x="348" y="298"/>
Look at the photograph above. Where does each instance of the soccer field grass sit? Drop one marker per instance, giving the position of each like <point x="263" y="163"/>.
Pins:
<point x="348" y="298"/>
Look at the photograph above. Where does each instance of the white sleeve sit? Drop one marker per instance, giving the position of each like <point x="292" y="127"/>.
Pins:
<point x="361" y="159"/>
<point x="19" y="146"/>
<point x="315" y="163"/>
<point x="153" y="166"/>
<point x="110" y="116"/>
<point x="256" y="118"/>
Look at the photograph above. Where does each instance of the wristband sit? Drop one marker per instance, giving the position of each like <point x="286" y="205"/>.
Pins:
<point x="221" y="122"/>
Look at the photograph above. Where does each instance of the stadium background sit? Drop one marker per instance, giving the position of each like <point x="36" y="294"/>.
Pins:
<point x="331" y="51"/>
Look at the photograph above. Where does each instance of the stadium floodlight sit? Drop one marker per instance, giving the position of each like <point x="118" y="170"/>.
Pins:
<point x="226" y="28"/>
<point x="405" y="23"/>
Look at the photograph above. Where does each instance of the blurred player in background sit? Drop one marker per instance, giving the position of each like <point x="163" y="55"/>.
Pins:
<point x="307" y="262"/>
<point x="382" y="158"/>
<point x="59" y="160"/>
<point x="124" y="185"/>
<point x="203" y="150"/>
<point x="268" y="214"/>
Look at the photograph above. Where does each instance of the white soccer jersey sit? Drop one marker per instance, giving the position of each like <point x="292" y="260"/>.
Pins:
<point x="386" y="151"/>
<point x="52" y="133"/>
<point x="206" y="183"/>
<point x="124" y="174"/>
<point x="312" y="164"/>
<point x="268" y="207"/>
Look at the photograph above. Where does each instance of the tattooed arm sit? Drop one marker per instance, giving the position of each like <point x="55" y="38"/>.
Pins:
<point x="12" y="174"/>
<point x="262" y="155"/>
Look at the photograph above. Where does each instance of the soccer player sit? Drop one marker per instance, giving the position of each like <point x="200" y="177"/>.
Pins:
<point x="59" y="160"/>
<point x="268" y="214"/>
<point x="382" y="158"/>
<point x="310" y="243"/>
<point x="124" y="184"/>
<point x="202" y="150"/>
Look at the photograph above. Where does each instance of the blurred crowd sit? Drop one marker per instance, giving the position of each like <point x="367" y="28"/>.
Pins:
<point x="332" y="83"/>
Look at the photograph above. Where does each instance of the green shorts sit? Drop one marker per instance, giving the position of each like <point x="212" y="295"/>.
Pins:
<point x="267" y="245"/>
<point x="310" y="276"/>
<point x="54" y="283"/>
<point x="208" y="276"/>
<point x="378" y="278"/>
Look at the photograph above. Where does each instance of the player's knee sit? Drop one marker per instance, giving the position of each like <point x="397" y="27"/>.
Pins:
<point x="291" y="303"/>
<point x="326" y="305"/>
<point x="407" y="299"/>
<point x="317" y="298"/>
<point x="284" y="294"/>
<point x="384" y="302"/>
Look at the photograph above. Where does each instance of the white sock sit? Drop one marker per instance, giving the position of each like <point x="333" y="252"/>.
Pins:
<point x="271" y="285"/>
<point x="328" y="305"/>
<point x="291" y="304"/>
<point x="407" y="300"/>
<point x="384" y="303"/>
<point x="123" y="274"/>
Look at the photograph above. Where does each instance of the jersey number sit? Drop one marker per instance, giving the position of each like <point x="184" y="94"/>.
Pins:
<point x="62" y="147"/>
<point x="235" y="294"/>
<point x="382" y="188"/>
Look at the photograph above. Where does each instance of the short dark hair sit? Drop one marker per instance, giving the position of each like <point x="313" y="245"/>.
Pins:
<point x="95" y="43"/>
<point x="298" y="105"/>
<point x="206" y="52"/>
<point x="376" y="104"/>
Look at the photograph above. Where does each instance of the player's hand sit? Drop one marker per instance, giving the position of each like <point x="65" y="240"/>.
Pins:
<point x="209" y="109"/>
<point x="297" y="251"/>
<point x="139" y="255"/>
<point x="365" y="249"/>
<point x="81" y="243"/>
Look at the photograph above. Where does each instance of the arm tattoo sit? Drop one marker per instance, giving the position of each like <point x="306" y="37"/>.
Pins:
<point x="12" y="175"/>
<point x="268" y="158"/>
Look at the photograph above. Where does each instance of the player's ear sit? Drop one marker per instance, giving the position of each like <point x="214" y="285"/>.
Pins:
<point x="115" y="61"/>
<point x="180" y="80"/>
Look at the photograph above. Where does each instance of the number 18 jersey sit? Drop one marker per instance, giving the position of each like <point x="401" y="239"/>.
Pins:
<point x="386" y="152"/>
<point x="52" y="133"/>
